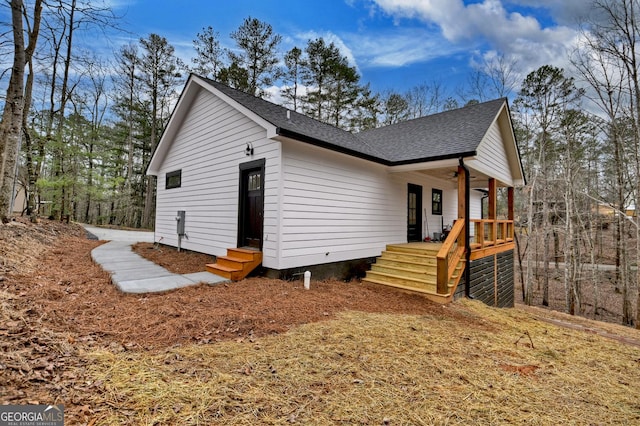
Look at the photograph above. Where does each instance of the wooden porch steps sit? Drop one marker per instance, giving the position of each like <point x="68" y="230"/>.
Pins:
<point x="412" y="267"/>
<point x="237" y="264"/>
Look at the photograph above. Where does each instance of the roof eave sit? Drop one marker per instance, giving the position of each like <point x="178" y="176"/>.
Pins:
<point x="178" y="113"/>
<point x="436" y="158"/>
<point x="323" y="144"/>
<point x="523" y="180"/>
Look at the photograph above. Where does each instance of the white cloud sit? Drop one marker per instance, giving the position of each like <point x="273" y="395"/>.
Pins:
<point x="489" y="22"/>
<point x="564" y="12"/>
<point x="274" y="94"/>
<point x="328" y="37"/>
<point x="401" y="47"/>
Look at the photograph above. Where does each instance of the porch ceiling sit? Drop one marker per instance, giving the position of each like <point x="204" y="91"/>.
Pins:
<point x="450" y="174"/>
<point x="447" y="172"/>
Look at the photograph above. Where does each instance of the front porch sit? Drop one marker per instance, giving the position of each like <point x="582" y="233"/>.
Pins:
<point x="436" y="269"/>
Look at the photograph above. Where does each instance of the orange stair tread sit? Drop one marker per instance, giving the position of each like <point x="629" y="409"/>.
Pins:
<point x="223" y="268"/>
<point x="235" y="259"/>
<point x="244" y="250"/>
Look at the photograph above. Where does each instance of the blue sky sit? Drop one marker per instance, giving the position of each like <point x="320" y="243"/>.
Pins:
<point x="395" y="44"/>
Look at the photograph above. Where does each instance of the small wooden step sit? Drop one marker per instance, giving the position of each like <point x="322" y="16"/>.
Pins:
<point x="418" y="274"/>
<point x="430" y="249"/>
<point x="425" y="284"/>
<point x="406" y="263"/>
<point x="242" y="253"/>
<point x="430" y="294"/>
<point x="415" y="257"/>
<point x="237" y="264"/>
<point x="232" y="262"/>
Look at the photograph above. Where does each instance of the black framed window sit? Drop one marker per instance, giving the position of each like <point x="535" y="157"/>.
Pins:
<point x="173" y="179"/>
<point x="436" y="201"/>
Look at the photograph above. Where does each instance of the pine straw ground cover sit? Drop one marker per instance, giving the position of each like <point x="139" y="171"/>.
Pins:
<point x="369" y="368"/>
<point x="267" y="351"/>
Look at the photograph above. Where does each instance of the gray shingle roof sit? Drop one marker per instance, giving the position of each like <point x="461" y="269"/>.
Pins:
<point x="299" y="125"/>
<point x="448" y="134"/>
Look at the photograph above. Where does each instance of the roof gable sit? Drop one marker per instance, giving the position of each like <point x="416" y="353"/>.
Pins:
<point x="192" y="87"/>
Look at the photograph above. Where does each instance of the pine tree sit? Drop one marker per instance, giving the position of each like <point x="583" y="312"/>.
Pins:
<point x="257" y="53"/>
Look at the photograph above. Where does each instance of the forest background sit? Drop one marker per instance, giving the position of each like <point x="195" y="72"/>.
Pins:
<point x="78" y="129"/>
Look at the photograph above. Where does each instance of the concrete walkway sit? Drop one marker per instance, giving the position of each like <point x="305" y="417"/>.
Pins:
<point x="132" y="273"/>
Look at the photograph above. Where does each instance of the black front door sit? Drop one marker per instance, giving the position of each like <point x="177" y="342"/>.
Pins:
<point x="251" y="204"/>
<point x="414" y="213"/>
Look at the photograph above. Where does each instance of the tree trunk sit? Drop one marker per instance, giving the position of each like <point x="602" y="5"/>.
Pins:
<point x="11" y="124"/>
<point x="33" y="164"/>
<point x="545" y="249"/>
<point x="637" y="257"/>
<point x="529" y="257"/>
<point x="64" y="97"/>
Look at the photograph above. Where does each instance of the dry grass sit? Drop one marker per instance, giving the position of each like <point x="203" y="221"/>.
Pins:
<point x="368" y="368"/>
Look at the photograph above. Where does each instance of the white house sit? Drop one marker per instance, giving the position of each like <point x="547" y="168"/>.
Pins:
<point x="245" y="172"/>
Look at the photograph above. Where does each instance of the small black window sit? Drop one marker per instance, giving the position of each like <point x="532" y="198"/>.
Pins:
<point x="173" y="179"/>
<point x="436" y="201"/>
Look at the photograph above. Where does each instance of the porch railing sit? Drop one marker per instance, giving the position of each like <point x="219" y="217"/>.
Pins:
<point x="486" y="233"/>
<point x="489" y="233"/>
<point x="449" y="255"/>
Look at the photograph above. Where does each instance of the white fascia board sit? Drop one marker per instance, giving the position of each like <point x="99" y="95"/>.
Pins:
<point x="428" y="165"/>
<point x="513" y="153"/>
<point x="177" y="117"/>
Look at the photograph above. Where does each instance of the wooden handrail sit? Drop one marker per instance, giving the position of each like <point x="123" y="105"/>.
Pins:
<point x="449" y="255"/>
<point x="492" y="232"/>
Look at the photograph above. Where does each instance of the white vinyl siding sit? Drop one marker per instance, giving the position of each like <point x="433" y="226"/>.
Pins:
<point x="475" y="205"/>
<point x="436" y="223"/>
<point x="208" y="148"/>
<point x="492" y="157"/>
<point x="337" y="207"/>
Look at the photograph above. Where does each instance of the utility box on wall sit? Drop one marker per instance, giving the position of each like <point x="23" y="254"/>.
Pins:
<point x="180" y="222"/>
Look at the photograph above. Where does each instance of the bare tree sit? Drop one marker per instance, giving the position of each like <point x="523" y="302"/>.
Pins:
<point x="127" y="103"/>
<point x="426" y="98"/>
<point x="33" y="166"/>
<point x="395" y="108"/>
<point x="94" y="103"/>
<point x="14" y="107"/>
<point x="495" y="76"/>
<point x="63" y="67"/>
<point x="546" y="95"/>
<point x="614" y="76"/>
